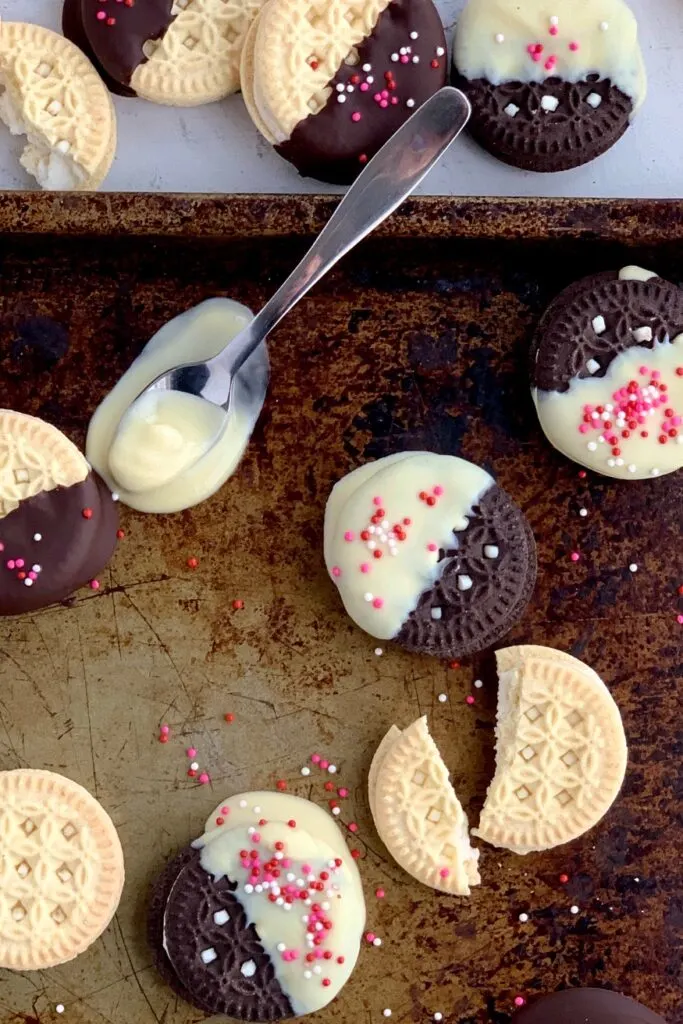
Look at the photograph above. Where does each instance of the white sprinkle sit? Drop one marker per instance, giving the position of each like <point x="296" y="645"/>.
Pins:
<point x="249" y="888"/>
<point x="221" y="917"/>
<point x="387" y="1012"/>
<point x="410" y="103"/>
<point x="114" y="496"/>
<point x="308" y="974"/>
<point x="305" y="770"/>
<point x="599" y="325"/>
<point x="436" y="613"/>
<point x="442" y="698"/>
<point x="243" y="803"/>
<point x="633" y="567"/>
<point x="59" y="1008"/>
<point x="554" y="20"/>
<point x="592" y="446"/>
<point x="279" y="901"/>
<point x="36" y="568"/>
<point x="478" y="684"/>
<point x="394" y="57"/>
<point x="279" y="855"/>
<point x="592" y="366"/>
<point x="372" y="529"/>
<point x="208" y="955"/>
<point x="339" y="87"/>
<point x="371" y="545"/>
<point x="611" y="463"/>
<point x="594" y="99"/>
<point x="251" y="830"/>
<point x="632" y="468"/>
<point x="341" y="98"/>
<point x="350" y="88"/>
<point x="679" y="439"/>
<point x="583" y="512"/>
<point x="370" y="79"/>
<point x="604" y="25"/>
<point x="636" y="879"/>
<point x="574" y="909"/>
<point x="288" y="906"/>
<point x="464" y="582"/>
<point x="438" y="1016"/>
<point x="642" y="334"/>
<point x="512" y="110"/>
<point x="620" y="462"/>
<point x="194" y="765"/>
<point x="379" y="652"/>
<point x="491" y="551"/>
<point x="325" y="905"/>
<point x="440" y="51"/>
<point x="332" y="769"/>
<point x="39" y="536"/>
<point x="524" y="918"/>
<point x="336" y="811"/>
<point x="550" y="103"/>
<point x="654" y="472"/>
<point x="367" y="597"/>
<point x="500" y="38"/>
<point x="248" y="969"/>
<point x="281" y="947"/>
<point x="367" y="67"/>
<point x="28" y="583"/>
<point x="377" y="942"/>
<point x="416" y="59"/>
<point x="404" y="50"/>
<point x="414" y="35"/>
<point x="63" y="146"/>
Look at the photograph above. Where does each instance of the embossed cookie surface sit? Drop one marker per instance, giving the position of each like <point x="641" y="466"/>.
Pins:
<point x="417" y="814"/>
<point x="61" y="870"/>
<point x="560" y="751"/>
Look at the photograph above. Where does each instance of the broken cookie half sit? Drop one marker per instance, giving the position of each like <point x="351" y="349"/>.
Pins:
<point x="51" y="93"/>
<point x="417" y="814"/>
<point x="560" y="751"/>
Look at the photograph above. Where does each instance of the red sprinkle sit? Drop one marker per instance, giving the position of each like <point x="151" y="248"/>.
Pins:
<point x="238" y="605"/>
<point x="120" y="534"/>
<point x="87" y="513"/>
<point x="219" y="821"/>
<point x="379" y="893"/>
<point x="229" y="717"/>
<point x="564" y="879"/>
<point x="355" y="854"/>
<point x="454" y="664"/>
<point x="192" y="563"/>
<point x="291" y="823"/>
<point x="434" y="63"/>
<point x="282" y="786"/>
<point x="352" y="826"/>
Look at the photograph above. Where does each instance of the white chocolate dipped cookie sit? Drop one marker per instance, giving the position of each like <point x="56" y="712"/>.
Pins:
<point x="607" y="374"/>
<point x="52" y="94"/>
<point x="560" y="751"/>
<point x="426" y="549"/>
<point x="234" y="919"/>
<point x="552" y="85"/>
<point x="417" y="814"/>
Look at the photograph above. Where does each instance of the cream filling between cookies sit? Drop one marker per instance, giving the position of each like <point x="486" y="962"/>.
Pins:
<point x="305" y="858"/>
<point x="385" y="525"/>
<point x="165" y="458"/>
<point x="627" y="424"/>
<point x="498" y="40"/>
<point x="52" y="167"/>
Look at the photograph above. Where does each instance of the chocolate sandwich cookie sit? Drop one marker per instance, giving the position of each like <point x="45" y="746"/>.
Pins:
<point x="58" y="520"/>
<point x="549" y="93"/>
<point x="329" y="94"/>
<point x="427" y="550"/>
<point x="233" y="920"/>
<point x="592" y="1005"/>
<point x="607" y="374"/>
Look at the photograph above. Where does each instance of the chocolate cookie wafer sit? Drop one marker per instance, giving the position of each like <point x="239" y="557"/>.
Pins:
<point x="427" y="550"/>
<point x="549" y="91"/>
<point x="607" y="374"/>
<point x="597" y="1005"/>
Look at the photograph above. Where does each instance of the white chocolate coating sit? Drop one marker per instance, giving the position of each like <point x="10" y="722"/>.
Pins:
<point x="161" y="435"/>
<point x="315" y="842"/>
<point x="632" y="273"/>
<point x="380" y="593"/>
<point x="561" y="415"/>
<point x="579" y="38"/>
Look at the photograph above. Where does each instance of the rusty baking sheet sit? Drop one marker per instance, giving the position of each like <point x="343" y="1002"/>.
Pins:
<point x="418" y="339"/>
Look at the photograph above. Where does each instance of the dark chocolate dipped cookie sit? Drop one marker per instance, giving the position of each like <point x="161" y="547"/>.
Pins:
<point x="588" y="1005"/>
<point x="607" y="374"/>
<point x="58" y="520"/>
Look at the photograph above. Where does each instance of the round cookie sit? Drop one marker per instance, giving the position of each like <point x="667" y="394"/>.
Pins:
<point x="549" y="92"/>
<point x="58" y="520"/>
<point x="53" y="94"/>
<point x="177" y="52"/>
<point x="61" y="869"/>
<point x="607" y="374"/>
<point x="560" y="751"/>
<point x="594" y="1005"/>
<point x="329" y="90"/>
<point x="427" y="550"/>
<point x="233" y="919"/>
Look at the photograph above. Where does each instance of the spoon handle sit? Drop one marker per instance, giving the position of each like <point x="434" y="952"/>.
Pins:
<point x="392" y="174"/>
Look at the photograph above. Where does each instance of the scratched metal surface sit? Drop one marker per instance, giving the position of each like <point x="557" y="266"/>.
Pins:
<point x="412" y="342"/>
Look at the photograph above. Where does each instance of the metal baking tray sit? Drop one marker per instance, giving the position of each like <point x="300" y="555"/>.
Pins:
<point x="418" y="339"/>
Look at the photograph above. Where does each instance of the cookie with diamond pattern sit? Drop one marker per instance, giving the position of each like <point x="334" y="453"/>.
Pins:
<point x="61" y="869"/>
<point x="560" y="752"/>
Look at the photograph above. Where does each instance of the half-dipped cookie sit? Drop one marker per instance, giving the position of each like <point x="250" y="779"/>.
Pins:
<point x="551" y="87"/>
<point x="607" y="374"/>
<point x="261" y="919"/>
<point x="328" y="85"/>
<point x="58" y="520"/>
<point x="427" y="550"/>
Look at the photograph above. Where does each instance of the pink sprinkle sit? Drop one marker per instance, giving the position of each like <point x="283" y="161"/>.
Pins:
<point x="191" y="752"/>
<point x="19" y="562"/>
<point x="286" y="862"/>
<point x="583" y="429"/>
<point x="378" y="602"/>
<point x="349" y="535"/>
<point x="256" y="837"/>
<point x="353" y="827"/>
<point x="2" y="546"/>
<point x="94" y="584"/>
<point x="536" y="57"/>
<point x="469" y="699"/>
<point x="655" y="376"/>
<point x="336" y="571"/>
<point x="385" y="103"/>
<point x="315" y="758"/>
<point x="550" y="64"/>
<point x="165" y="729"/>
<point x="204" y="778"/>
<point x="379" y="893"/>
<point x="246" y="863"/>
<point x="642" y="370"/>
<point x="225" y="810"/>
<point x="677" y="420"/>
<point x="306" y="868"/>
<point x="394" y="101"/>
<point x="432" y="546"/>
<point x="404" y="58"/>
<point x="679" y="620"/>
<point x="364" y="86"/>
<point x="519" y="1000"/>
<point x="370" y="937"/>
<point x="33" y="575"/>
<point x="365" y="567"/>
<point x="575" y="556"/>
<point x="377" y="500"/>
<point x="573" y="47"/>
<point x="343" y="792"/>
<point x="385" y="94"/>
<point x="444" y="872"/>
<point x="101" y="15"/>
<point x="11" y="564"/>
<point x="438" y="490"/>
<point x="554" y="30"/>
<point x="324" y="765"/>
<point x="377" y="97"/>
<point x="355" y="116"/>
<point x="531" y="48"/>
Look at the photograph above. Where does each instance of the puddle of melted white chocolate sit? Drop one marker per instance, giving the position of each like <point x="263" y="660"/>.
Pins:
<point x="380" y="593"/>
<point x="583" y="36"/>
<point x="163" y="459"/>
<point x="315" y="842"/>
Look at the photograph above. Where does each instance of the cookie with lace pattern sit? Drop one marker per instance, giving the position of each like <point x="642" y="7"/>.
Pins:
<point x="176" y="52"/>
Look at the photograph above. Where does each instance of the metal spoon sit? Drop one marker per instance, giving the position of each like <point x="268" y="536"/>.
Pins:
<point x="395" y="171"/>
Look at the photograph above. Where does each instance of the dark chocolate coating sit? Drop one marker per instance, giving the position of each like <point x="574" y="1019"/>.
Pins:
<point x="565" y="339"/>
<point x="586" y="1006"/>
<point x="473" y="619"/>
<point x="539" y="140"/>
<point x="189" y="928"/>
<point x="327" y="145"/>
<point x="116" y="50"/>
<point x="73" y="549"/>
